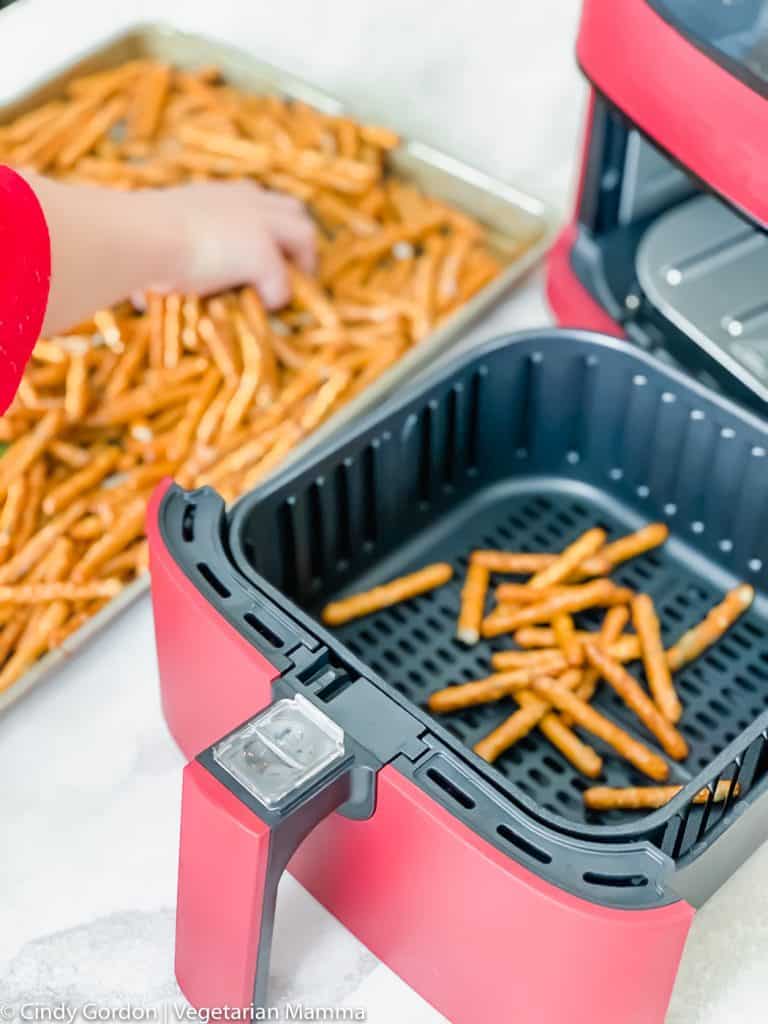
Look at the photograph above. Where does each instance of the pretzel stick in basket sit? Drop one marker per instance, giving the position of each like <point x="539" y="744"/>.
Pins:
<point x="655" y="658"/>
<point x="613" y="625"/>
<point x="584" y="758"/>
<point x="401" y="589"/>
<point x="536" y="638"/>
<point x="523" y="721"/>
<point x="711" y="628"/>
<point x="637" y="798"/>
<point x="550" y="660"/>
<point x="523" y="593"/>
<point x="472" y="603"/>
<point x="565" y="632"/>
<point x="621" y="550"/>
<point x="598" y="592"/>
<point x="583" y="714"/>
<point x="569" y="560"/>
<point x="485" y="691"/>
<point x="633" y="695"/>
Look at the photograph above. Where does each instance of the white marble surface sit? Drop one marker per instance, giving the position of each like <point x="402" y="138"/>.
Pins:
<point x="88" y="774"/>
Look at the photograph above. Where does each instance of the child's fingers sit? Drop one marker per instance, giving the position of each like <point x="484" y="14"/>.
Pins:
<point x="295" y="235"/>
<point x="282" y="202"/>
<point x="267" y="270"/>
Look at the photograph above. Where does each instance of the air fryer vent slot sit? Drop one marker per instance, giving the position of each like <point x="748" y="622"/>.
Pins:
<point x="615" y="881"/>
<point x="450" y="787"/>
<point x="263" y="630"/>
<point x="188" y="523"/>
<point x="213" y="580"/>
<point x="523" y="845"/>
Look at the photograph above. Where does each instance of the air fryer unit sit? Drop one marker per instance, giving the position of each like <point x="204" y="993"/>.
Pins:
<point x="668" y="237"/>
<point x="520" y="445"/>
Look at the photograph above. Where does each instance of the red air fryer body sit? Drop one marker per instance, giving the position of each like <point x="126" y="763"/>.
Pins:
<point x="685" y="85"/>
<point x="469" y="928"/>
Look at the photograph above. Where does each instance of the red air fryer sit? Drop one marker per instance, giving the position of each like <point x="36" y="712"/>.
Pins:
<point x="667" y="245"/>
<point x="489" y="889"/>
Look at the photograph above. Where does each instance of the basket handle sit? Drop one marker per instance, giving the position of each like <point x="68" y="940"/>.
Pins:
<point x="232" y="856"/>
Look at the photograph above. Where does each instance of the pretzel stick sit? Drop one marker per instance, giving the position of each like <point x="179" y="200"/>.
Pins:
<point x="524" y="720"/>
<point x="621" y="550"/>
<point x="129" y="526"/>
<point x="172" y="330"/>
<point x="24" y="452"/>
<point x="307" y="294"/>
<point x="39" y="544"/>
<point x="637" y="798"/>
<point x="644" y="759"/>
<point x="150" y="96"/>
<point x="73" y="486"/>
<point x="537" y="638"/>
<point x="709" y="630"/>
<point x="401" y="589"/>
<point x="609" y="640"/>
<point x="570" y="559"/>
<point x="89" y="528"/>
<point x="550" y="661"/>
<point x="36" y="481"/>
<point x="42" y="593"/>
<point x="583" y="757"/>
<point x="590" y="595"/>
<point x="564" y="630"/>
<point x="630" y="691"/>
<point x="472" y="604"/>
<point x="76" y="388"/>
<point x="108" y="327"/>
<point x="256" y="318"/>
<point x="31" y="647"/>
<point x="484" y="691"/>
<point x="12" y="510"/>
<point x="218" y="348"/>
<point x="249" y="381"/>
<point x="190" y="312"/>
<point x="655" y="658"/>
<point x="71" y="455"/>
<point x="91" y="132"/>
<point x="273" y="457"/>
<point x="524" y="593"/>
<point x="323" y="401"/>
<point x="156" y="343"/>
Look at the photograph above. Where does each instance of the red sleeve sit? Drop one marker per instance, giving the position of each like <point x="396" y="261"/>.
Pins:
<point x="25" y="274"/>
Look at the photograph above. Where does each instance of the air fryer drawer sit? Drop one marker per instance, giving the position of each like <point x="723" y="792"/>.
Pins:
<point x="522" y="446"/>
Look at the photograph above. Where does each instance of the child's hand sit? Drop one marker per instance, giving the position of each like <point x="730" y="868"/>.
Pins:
<point x="108" y="245"/>
<point x="232" y="233"/>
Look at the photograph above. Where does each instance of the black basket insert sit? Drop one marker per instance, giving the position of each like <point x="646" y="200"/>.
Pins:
<point x="522" y="445"/>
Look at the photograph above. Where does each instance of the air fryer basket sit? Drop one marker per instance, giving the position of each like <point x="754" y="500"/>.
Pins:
<point x="522" y="445"/>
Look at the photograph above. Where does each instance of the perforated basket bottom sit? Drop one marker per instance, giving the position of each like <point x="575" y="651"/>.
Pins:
<point x="412" y="645"/>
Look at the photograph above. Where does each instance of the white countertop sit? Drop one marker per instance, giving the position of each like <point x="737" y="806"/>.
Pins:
<point x="90" y="779"/>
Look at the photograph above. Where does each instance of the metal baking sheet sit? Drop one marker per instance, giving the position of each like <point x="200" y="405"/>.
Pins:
<point x="520" y="229"/>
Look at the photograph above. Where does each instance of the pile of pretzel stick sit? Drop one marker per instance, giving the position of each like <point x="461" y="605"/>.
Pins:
<point x="556" y="669"/>
<point x="211" y="391"/>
